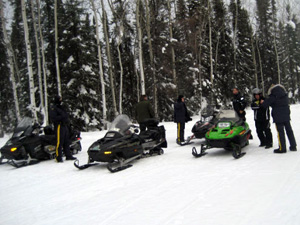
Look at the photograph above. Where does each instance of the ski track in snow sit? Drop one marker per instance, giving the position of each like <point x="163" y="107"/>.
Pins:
<point x="171" y="189"/>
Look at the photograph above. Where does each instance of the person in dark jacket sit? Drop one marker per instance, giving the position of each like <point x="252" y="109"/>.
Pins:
<point x="278" y="100"/>
<point x="262" y="120"/>
<point x="143" y="111"/>
<point x="60" y="118"/>
<point x="181" y="116"/>
<point x="239" y="103"/>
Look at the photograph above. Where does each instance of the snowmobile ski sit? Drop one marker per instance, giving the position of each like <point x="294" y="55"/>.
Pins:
<point x="21" y="163"/>
<point x="202" y="152"/>
<point x="236" y="151"/>
<point x="121" y="164"/>
<point x="84" y="166"/>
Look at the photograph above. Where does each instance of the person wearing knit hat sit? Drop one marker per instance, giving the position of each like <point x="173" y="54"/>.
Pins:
<point x="181" y="116"/>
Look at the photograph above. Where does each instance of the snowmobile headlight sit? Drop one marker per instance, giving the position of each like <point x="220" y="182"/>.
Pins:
<point x="223" y="125"/>
<point x="107" y="153"/>
<point x="13" y="149"/>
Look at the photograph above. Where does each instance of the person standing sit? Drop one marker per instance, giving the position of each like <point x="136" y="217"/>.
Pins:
<point x="278" y="100"/>
<point x="262" y="120"/>
<point x="181" y="116"/>
<point x="60" y="118"/>
<point x="143" y="111"/>
<point x="239" y="103"/>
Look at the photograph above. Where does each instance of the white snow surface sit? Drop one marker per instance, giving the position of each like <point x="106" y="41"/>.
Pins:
<point x="171" y="189"/>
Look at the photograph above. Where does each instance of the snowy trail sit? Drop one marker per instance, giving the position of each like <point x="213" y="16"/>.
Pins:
<point x="171" y="189"/>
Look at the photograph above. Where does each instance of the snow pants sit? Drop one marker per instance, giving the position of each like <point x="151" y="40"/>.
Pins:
<point x="281" y="135"/>
<point x="264" y="132"/>
<point x="62" y="141"/>
<point x="180" y="132"/>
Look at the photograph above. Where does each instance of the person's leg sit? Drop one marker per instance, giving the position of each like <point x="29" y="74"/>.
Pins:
<point x="291" y="137"/>
<point x="66" y="145"/>
<point x="58" y="157"/>
<point x="260" y="133"/>
<point x="268" y="134"/>
<point x="182" y="127"/>
<point x="281" y="138"/>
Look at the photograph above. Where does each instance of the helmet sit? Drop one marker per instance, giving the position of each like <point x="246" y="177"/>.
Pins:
<point x="256" y="91"/>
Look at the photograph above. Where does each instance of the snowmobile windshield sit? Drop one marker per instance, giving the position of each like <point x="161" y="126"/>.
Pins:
<point x="228" y="114"/>
<point x="24" y="127"/>
<point x="121" y="124"/>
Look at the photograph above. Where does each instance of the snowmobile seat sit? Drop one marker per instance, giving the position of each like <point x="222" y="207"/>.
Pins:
<point x="48" y="130"/>
<point x="151" y="122"/>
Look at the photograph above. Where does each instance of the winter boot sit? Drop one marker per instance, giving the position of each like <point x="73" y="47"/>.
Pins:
<point x="58" y="159"/>
<point x="279" y="151"/>
<point x="71" y="158"/>
<point x="268" y="146"/>
<point x="294" y="149"/>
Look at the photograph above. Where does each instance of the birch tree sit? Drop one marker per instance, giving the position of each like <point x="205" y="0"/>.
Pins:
<point x="153" y="69"/>
<point x="100" y="65"/>
<point x="172" y="47"/>
<point x="108" y="52"/>
<point x="56" y="50"/>
<point x="10" y="60"/>
<point x="39" y="64"/>
<point x="29" y="63"/>
<point x="140" y="43"/>
<point x="45" y="83"/>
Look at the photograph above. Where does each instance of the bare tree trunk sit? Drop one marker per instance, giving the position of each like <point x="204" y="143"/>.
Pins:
<point x="276" y="51"/>
<point x="46" y="118"/>
<point x="261" y="70"/>
<point x="42" y="104"/>
<point x="254" y="62"/>
<point x="29" y="63"/>
<point x="120" y="29"/>
<point x="139" y="30"/>
<point x="9" y="50"/>
<point x="101" y="74"/>
<point x="235" y="41"/>
<point x="106" y="36"/>
<point x="56" y="50"/>
<point x="210" y="52"/>
<point x="153" y="69"/>
<point x="172" y="47"/>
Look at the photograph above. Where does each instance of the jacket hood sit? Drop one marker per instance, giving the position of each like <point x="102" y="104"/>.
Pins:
<point x="278" y="90"/>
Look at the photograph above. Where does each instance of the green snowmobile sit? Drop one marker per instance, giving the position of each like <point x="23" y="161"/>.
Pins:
<point x="230" y="133"/>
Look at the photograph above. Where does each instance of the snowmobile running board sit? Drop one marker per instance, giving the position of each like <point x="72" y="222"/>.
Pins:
<point x="84" y="166"/>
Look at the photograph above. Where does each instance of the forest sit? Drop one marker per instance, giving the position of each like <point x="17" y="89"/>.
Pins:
<point x="102" y="55"/>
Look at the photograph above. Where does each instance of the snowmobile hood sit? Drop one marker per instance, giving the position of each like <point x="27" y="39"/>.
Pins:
<point x="277" y="90"/>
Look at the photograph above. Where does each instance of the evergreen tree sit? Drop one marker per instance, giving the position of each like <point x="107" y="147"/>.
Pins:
<point x="6" y="97"/>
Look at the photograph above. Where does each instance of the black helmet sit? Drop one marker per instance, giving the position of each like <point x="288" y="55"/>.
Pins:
<point x="256" y="91"/>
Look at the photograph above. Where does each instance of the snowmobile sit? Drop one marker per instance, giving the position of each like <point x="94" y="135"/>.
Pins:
<point x="209" y="118"/>
<point x="230" y="133"/>
<point x="28" y="145"/>
<point x="122" y="144"/>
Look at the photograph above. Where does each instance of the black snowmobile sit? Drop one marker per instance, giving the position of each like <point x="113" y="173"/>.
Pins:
<point x="121" y="144"/>
<point x="209" y="118"/>
<point x="29" y="146"/>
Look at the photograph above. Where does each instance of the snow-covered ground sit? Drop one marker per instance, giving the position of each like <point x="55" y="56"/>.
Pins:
<point x="172" y="189"/>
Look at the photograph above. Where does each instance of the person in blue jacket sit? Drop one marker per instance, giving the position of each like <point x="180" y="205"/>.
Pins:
<point x="60" y="118"/>
<point x="278" y="100"/>
<point x="181" y="116"/>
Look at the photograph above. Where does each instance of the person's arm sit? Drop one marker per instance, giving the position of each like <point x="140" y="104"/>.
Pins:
<point x="267" y="102"/>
